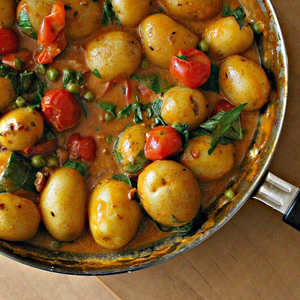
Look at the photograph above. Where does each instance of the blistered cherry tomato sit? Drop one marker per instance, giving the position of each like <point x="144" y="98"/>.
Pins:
<point x="60" y="108"/>
<point x="221" y="105"/>
<point x="191" y="67"/>
<point x="162" y="142"/>
<point x="84" y="148"/>
<point x="9" y="41"/>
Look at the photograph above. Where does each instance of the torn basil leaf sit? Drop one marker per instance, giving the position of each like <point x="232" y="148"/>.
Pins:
<point x="151" y="81"/>
<point x="25" y="25"/>
<point x="122" y="177"/>
<point x="96" y="73"/>
<point x="108" y="107"/>
<point x="38" y="96"/>
<point x="239" y="14"/>
<point x="212" y="84"/>
<point x="156" y="106"/>
<point x="109" y="15"/>
<point x="78" y="166"/>
<point x="70" y="76"/>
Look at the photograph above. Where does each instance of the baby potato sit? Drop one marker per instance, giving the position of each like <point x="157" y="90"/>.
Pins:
<point x="7" y="93"/>
<point x="7" y="14"/>
<point x="226" y="38"/>
<point x="130" y="12"/>
<point x="113" y="54"/>
<point x="130" y="148"/>
<point x="19" y="218"/>
<point x="195" y="10"/>
<point x="21" y="128"/>
<point x="114" y="215"/>
<point x="63" y="204"/>
<point x="162" y="37"/>
<point x="244" y="81"/>
<point x="184" y="105"/>
<point x="83" y="18"/>
<point x="204" y="166"/>
<point x="169" y="192"/>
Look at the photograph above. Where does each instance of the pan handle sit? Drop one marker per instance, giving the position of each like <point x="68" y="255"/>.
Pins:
<point x="281" y="196"/>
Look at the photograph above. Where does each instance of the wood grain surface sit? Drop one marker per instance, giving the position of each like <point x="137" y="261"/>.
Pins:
<point x="254" y="256"/>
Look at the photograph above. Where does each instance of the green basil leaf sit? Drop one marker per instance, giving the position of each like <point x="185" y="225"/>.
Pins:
<point x="96" y="73"/>
<point x="109" y="15"/>
<point x="25" y="25"/>
<point x="212" y="84"/>
<point x="139" y="162"/>
<point x="78" y="166"/>
<point x="156" y="106"/>
<point x="119" y="156"/>
<point x="122" y="177"/>
<point x="38" y="96"/>
<point x="239" y="14"/>
<point x="108" y="107"/>
<point x="151" y="81"/>
<point x="184" y="132"/>
<point x="124" y="112"/>
<point x="70" y="76"/>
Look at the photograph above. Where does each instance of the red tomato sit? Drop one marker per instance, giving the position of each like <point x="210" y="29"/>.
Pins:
<point x="193" y="71"/>
<point x="221" y="105"/>
<point x="84" y="148"/>
<point x="162" y="142"/>
<point x="9" y="41"/>
<point x="60" y="109"/>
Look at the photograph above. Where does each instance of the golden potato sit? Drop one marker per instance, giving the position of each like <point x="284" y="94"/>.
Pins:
<point x="114" y="215"/>
<point x="21" y="128"/>
<point x="169" y="192"/>
<point x="63" y="204"/>
<point x="226" y="38"/>
<point x="204" y="166"/>
<point x="7" y="14"/>
<point x="83" y="18"/>
<point x="7" y="93"/>
<point x="162" y="37"/>
<point x="113" y="54"/>
<point x="130" y="12"/>
<point x="19" y="218"/>
<point x="184" y="105"/>
<point x="244" y="81"/>
<point x="130" y="148"/>
<point x="195" y="10"/>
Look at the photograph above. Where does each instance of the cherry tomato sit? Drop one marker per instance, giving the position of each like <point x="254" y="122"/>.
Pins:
<point x="84" y="148"/>
<point x="162" y="142"/>
<point x="191" y="67"/>
<point x="221" y="105"/>
<point x="9" y="41"/>
<point x="60" y="109"/>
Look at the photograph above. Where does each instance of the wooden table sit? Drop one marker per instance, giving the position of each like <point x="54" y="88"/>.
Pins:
<point x="254" y="256"/>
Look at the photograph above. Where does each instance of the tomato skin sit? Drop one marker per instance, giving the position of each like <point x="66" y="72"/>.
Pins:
<point x="9" y="41"/>
<point x="162" y="142"/>
<point x="84" y="148"/>
<point x="192" y="72"/>
<point x="221" y="105"/>
<point x="60" y="109"/>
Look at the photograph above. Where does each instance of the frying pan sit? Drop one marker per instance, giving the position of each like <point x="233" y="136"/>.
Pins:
<point x="245" y="182"/>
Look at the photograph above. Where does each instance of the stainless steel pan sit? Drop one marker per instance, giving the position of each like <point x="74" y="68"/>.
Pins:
<point x="245" y="182"/>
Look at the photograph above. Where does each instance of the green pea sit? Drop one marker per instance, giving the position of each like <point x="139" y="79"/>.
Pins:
<point x="50" y="135"/>
<point x="41" y="69"/>
<point x="73" y="88"/>
<point x="38" y="161"/>
<point x="53" y="74"/>
<point x="109" y="138"/>
<point x="89" y="96"/>
<point x="56" y="245"/>
<point x="18" y="63"/>
<point x="21" y="102"/>
<point x="229" y="194"/>
<point x="108" y="117"/>
<point x="53" y="162"/>
<point x="203" y="46"/>
<point x="257" y="27"/>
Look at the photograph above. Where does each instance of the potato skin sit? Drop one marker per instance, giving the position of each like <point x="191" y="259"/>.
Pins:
<point x="19" y="218"/>
<point x="114" y="215"/>
<point x="244" y="81"/>
<point x="226" y="38"/>
<point x="169" y="193"/>
<point x="184" y="105"/>
<point x="130" y="12"/>
<point x="7" y="14"/>
<point x="162" y="37"/>
<point x="82" y="19"/>
<point x="7" y="93"/>
<point x="114" y="54"/>
<point x="21" y="128"/>
<point x="208" y="167"/>
<point x="63" y="204"/>
<point x="195" y="10"/>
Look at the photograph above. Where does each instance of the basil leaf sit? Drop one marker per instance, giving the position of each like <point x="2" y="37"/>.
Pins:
<point x="151" y="81"/>
<point x="25" y="25"/>
<point x="156" y="106"/>
<point x="27" y="82"/>
<point x="184" y="132"/>
<point x="37" y="98"/>
<point x="78" y="166"/>
<point x="109" y="15"/>
<point x="239" y="14"/>
<point x="96" y="73"/>
<point x="122" y="177"/>
<point x="70" y="76"/>
<point x="124" y="112"/>
<point x="212" y="84"/>
<point x="139" y="162"/>
<point x="108" y="107"/>
<point x="119" y="156"/>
